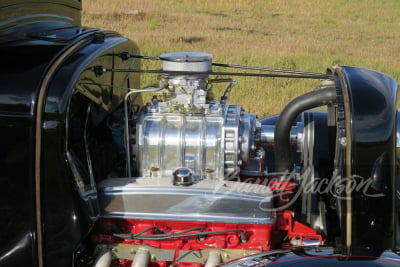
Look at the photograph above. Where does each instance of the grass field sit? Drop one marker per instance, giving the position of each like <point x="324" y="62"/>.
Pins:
<point x="309" y="35"/>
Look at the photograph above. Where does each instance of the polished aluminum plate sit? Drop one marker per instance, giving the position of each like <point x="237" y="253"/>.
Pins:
<point x="208" y="201"/>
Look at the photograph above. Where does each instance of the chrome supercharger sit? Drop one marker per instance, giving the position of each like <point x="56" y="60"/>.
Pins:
<point x="184" y="129"/>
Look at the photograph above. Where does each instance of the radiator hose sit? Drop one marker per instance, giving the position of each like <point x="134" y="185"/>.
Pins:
<point x="313" y="99"/>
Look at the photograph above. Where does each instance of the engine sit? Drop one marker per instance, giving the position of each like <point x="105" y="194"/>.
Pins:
<point x="173" y="174"/>
<point x="185" y="127"/>
<point x="208" y="183"/>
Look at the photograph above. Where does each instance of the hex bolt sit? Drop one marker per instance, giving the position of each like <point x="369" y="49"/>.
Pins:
<point x="343" y="141"/>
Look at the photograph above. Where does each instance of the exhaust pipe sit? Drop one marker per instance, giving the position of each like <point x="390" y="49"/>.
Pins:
<point x="103" y="259"/>
<point x="142" y="258"/>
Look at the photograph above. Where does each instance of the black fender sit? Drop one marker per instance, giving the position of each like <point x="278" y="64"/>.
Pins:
<point x="365" y="159"/>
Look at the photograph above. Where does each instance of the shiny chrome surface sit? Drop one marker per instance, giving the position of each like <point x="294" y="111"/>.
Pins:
<point x="231" y="134"/>
<point x="127" y="138"/>
<point x="183" y="176"/>
<point x="186" y="61"/>
<point x="170" y="141"/>
<point x="188" y="95"/>
<point x="212" y="146"/>
<point x="211" y="201"/>
<point x="185" y="127"/>
<point x="296" y="136"/>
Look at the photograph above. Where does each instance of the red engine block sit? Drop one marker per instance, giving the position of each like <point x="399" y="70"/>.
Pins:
<point x="183" y="236"/>
<point x="250" y="237"/>
<point x="253" y="237"/>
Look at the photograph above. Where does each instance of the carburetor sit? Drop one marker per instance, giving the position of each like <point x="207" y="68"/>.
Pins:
<point x="187" y="128"/>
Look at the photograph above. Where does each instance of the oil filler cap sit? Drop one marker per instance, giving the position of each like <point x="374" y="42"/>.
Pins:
<point x="183" y="176"/>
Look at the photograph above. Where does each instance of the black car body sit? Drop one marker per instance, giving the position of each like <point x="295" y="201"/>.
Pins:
<point x="44" y="51"/>
<point x="66" y="179"/>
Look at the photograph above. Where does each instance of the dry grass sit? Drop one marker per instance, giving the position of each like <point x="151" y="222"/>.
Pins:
<point x="308" y="35"/>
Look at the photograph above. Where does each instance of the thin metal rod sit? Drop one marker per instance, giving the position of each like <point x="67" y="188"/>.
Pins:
<point x="229" y="89"/>
<point x="236" y="66"/>
<point x="87" y="151"/>
<point x="108" y="85"/>
<point x="126" y="130"/>
<point x="270" y="75"/>
<point x="265" y="69"/>
<point x="146" y="57"/>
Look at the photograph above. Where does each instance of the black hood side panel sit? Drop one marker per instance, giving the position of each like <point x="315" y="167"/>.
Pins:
<point x="15" y="12"/>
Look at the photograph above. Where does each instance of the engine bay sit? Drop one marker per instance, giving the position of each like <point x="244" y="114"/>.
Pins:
<point x="201" y="183"/>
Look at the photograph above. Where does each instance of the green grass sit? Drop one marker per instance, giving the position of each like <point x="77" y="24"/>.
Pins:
<point x="310" y="35"/>
<point x="153" y="23"/>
